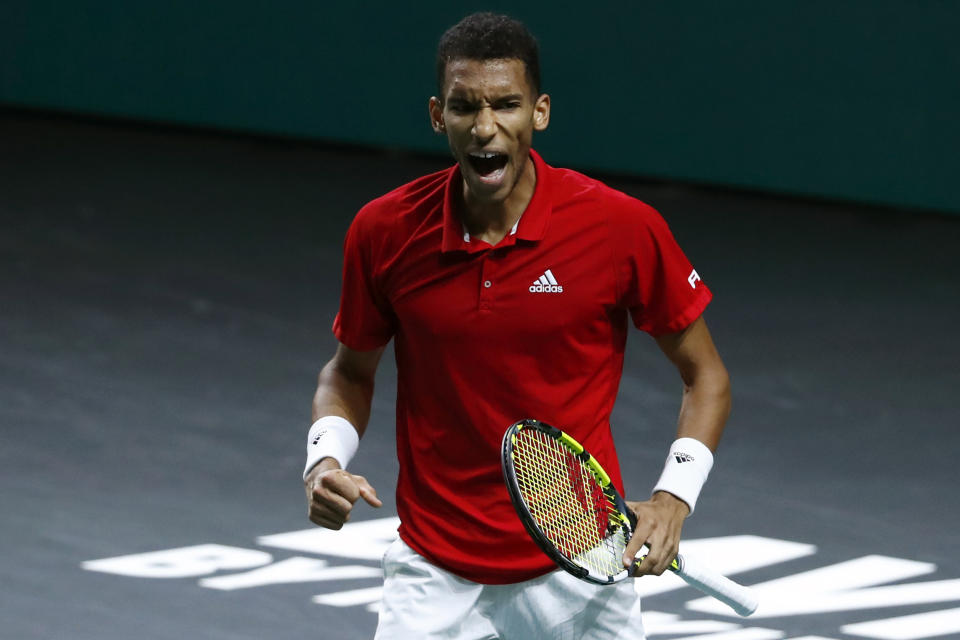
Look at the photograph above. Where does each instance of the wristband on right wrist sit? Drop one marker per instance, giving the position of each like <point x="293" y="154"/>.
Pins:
<point x="331" y="437"/>
<point x="685" y="471"/>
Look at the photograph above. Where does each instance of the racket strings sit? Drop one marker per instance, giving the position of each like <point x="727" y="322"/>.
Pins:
<point x="568" y="503"/>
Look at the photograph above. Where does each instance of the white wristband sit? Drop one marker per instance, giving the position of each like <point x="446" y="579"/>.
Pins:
<point x="331" y="437"/>
<point x="686" y="469"/>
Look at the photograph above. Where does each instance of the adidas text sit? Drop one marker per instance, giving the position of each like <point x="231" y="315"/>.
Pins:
<point x="546" y="288"/>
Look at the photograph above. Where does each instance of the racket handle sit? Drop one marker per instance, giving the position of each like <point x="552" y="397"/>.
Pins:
<point x="739" y="598"/>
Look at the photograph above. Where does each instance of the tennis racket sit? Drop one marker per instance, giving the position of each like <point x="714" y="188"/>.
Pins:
<point x="572" y="511"/>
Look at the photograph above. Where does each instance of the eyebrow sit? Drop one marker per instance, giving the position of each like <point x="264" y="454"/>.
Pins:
<point x="461" y="96"/>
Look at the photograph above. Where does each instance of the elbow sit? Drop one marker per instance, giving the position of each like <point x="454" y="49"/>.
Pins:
<point x="723" y="381"/>
<point x="724" y="390"/>
<point x="341" y="372"/>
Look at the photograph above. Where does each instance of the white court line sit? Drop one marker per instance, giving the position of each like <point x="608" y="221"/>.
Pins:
<point x="350" y="598"/>
<point x="913" y="627"/>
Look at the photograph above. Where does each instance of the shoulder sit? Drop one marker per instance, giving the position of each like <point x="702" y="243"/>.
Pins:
<point x="592" y="197"/>
<point x="414" y="199"/>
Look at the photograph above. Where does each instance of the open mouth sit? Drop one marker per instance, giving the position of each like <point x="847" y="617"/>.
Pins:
<point x="489" y="165"/>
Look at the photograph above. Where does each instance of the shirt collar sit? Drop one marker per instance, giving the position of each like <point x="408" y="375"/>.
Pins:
<point x="513" y="230"/>
<point x="531" y="226"/>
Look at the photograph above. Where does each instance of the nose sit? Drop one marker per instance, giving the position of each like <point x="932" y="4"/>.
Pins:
<point x="484" y="125"/>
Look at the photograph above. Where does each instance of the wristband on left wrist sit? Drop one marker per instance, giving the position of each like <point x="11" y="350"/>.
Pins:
<point x="685" y="471"/>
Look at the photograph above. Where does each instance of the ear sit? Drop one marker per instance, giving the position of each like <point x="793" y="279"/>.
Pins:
<point x="541" y="112"/>
<point x="436" y="115"/>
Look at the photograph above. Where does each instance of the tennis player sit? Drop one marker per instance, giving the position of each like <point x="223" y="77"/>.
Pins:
<point x="507" y="286"/>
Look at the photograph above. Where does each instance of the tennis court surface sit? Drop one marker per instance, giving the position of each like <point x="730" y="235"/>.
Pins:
<point x="167" y="302"/>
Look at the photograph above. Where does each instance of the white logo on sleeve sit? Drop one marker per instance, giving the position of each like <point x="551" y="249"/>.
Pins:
<point x="692" y="279"/>
<point x="546" y="283"/>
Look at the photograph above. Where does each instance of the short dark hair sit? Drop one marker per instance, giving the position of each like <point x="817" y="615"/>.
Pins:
<point x="489" y="36"/>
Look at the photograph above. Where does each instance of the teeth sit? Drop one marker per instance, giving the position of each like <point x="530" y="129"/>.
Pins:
<point x="486" y="155"/>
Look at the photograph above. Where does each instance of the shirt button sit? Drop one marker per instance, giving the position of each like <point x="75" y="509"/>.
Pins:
<point x="487" y="284"/>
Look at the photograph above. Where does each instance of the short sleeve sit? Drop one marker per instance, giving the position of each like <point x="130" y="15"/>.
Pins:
<point x="364" y="321"/>
<point x="655" y="280"/>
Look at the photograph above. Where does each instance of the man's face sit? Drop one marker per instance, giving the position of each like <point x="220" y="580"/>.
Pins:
<point x="489" y="113"/>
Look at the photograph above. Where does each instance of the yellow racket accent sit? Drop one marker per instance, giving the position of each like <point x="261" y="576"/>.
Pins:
<point x="564" y="492"/>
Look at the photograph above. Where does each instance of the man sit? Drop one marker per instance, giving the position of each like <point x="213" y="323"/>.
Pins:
<point x="506" y="285"/>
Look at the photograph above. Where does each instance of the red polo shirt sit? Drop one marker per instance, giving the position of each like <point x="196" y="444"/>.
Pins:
<point x="533" y="327"/>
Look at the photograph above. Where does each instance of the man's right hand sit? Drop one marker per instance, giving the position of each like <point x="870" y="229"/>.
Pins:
<point x="332" y="492"/>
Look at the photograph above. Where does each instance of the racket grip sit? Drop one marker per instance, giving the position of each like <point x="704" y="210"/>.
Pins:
<point x="738" y="597"/>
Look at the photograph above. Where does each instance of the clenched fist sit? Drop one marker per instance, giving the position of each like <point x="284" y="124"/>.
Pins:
<point x="332" y="492"/>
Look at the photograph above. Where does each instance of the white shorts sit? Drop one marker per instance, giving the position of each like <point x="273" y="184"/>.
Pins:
<point x="423" y="602"/>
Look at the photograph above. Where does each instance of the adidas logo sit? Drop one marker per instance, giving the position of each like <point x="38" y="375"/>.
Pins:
<point x="682" y="457"/>
<point x="319" y="435"/>
<point x="546" y="284"/>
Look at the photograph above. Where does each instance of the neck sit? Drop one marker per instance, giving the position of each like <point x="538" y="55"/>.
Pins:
<point x="492" y="221"/>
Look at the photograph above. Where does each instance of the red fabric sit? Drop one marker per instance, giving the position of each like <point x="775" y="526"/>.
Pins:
<point x="473" y="357"/>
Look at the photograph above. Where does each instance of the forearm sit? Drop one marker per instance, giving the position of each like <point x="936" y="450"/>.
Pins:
<point x="703" y="412"/>
<point x="705" y="406"/>
<point x="345" y="393"/>
<point x="344" y="390"/>
<point x="706" y="384"/>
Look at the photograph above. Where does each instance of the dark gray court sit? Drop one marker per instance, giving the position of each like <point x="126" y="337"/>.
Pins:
<point x="166" y="304"/>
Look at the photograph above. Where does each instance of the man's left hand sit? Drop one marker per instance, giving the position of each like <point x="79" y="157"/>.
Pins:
<point x="659" y="522"/>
